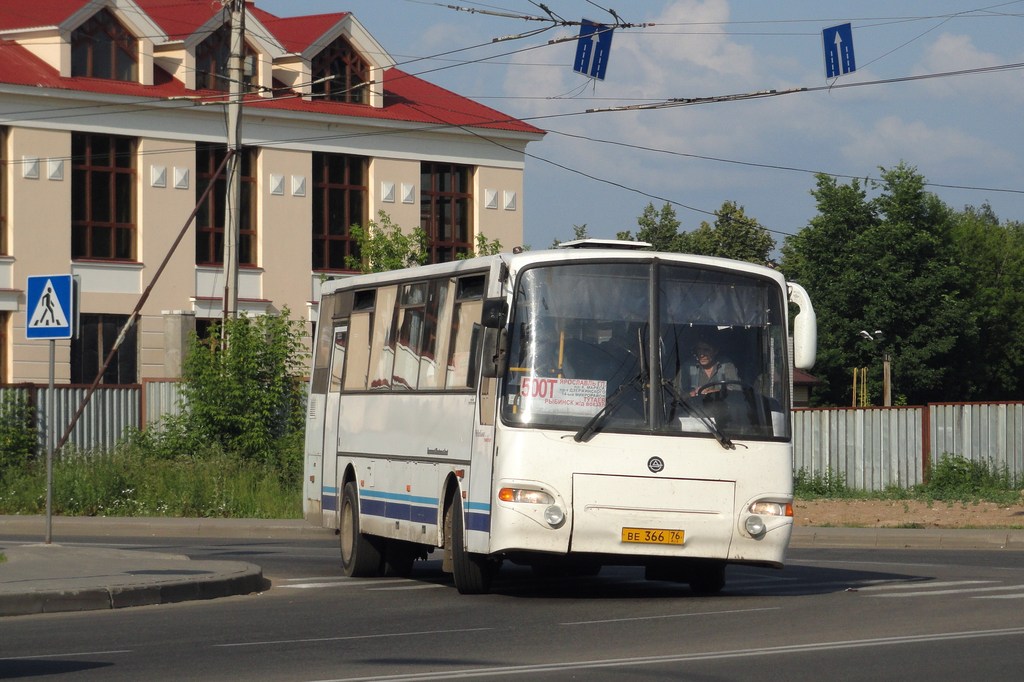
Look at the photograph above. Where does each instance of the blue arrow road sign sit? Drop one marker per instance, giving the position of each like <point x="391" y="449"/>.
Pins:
<point x="592" y="49"/>
<point x="838" y="43"/>
<point x="49" y="307"/>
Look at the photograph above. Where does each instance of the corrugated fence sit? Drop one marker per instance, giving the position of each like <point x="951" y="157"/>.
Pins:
<point x="873" y="448"/>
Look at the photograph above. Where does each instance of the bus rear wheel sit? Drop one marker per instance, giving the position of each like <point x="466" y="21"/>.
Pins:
<point x="472" y="572"/>
<point x="360" y="555"/>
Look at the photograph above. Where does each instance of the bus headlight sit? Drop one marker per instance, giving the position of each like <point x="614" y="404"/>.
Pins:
<point x="554" y="516"/>
<point x="525" y="495"/>
<point x="772" y="508"/>
<point x="755" y="526"/>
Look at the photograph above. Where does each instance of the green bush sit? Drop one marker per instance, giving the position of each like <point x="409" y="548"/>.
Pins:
<point x="828" y="484"/>
<point x="244" y="393"/>
<point x="19" y="440"/>
<point x="956" y="478"/>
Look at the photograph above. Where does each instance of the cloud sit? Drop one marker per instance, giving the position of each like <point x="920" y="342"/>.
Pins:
<point x="892" y="139"/>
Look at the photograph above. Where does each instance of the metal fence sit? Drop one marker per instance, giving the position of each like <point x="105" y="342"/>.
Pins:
<point x="110" y="412"/>
<point x="873" y="448"/>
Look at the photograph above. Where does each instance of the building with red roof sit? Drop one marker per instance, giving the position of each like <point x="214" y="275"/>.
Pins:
<point x="113" y="126"/>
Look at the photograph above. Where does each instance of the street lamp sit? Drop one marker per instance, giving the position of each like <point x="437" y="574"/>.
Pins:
<point x="878" y="335"/>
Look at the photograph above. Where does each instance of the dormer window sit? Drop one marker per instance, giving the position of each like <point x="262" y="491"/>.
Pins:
<point x="103" y="48"/>
<point x="212" y="58"/>
<point x="340" y="74"/>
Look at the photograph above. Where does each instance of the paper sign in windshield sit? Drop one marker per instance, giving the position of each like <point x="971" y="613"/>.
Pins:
<point x="580" y="397"/>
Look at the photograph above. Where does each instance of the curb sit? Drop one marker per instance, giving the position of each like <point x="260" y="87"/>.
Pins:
<point x="908" y="538"/>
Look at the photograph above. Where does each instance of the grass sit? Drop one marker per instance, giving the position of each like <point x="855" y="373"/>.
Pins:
<point x="953" y="479"/>
<point x="127" y="482"/>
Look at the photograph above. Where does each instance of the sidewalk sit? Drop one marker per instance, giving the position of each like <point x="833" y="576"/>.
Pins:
<point x="48" y="578"/>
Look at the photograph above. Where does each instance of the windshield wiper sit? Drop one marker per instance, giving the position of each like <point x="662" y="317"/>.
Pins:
<point x="609" y="406"/>
<point x="701" y="415"/>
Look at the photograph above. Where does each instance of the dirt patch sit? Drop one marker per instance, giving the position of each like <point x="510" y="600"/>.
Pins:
<point x="906" y="514"/>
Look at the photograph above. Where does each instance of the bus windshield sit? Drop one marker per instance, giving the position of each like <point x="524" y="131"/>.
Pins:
<point x="648" y="346"/>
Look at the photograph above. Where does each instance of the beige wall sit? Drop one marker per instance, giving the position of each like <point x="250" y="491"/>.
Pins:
<point x="285" y="236"/>
<point x="502" y="218"/>
<point x="39" y="239"/>
<point x="395" y="174"/>
<point x="163" y="209"/>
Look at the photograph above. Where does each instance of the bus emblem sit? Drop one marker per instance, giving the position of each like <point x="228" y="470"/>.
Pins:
<point x="656" y="465"/>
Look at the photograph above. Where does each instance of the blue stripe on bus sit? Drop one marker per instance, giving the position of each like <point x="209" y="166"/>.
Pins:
<point x="419" y="509"/>
<point x="328" y="502"/>
<point x="476" y="521"/>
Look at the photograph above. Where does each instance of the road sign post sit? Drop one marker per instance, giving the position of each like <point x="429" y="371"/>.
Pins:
<point x="50" y="307"/>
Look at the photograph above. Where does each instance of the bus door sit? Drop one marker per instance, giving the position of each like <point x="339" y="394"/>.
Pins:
<point x="330" y="493"/>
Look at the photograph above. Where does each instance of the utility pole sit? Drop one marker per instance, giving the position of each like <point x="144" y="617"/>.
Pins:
<point x="233" y="200"/>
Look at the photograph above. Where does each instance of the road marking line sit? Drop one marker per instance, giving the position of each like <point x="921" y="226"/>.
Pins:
<point x="671" y="615"/>
<point x="519" y="670"/>
<point x="922" y="583"/>
<point x="929" y="593"/>
<point x="66" y="655"/>
<point x="342" y="639"/>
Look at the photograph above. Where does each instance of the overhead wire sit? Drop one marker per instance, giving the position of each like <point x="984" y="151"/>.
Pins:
<point x="651" y="105"/>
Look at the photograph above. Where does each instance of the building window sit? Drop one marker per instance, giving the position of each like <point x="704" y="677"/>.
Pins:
<point x="339" y="201"/>
<point x="103" y="48"/>
<point x="445" y="215"/>
<point x="102" y="197"/>
<point x="340" y="74"/>
<point x="96" y="337"/>
<point x="212" y="58"/>
<point x="210" y="219"/>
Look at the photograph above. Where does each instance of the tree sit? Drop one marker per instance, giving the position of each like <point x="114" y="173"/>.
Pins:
<point x="245" y="393"/>
<point x="817" y="257"/>
<point x="658" y="228"/>
<point x="384" y="246"/>
<point x="886" y="263"/>
<point x="484" y="247"/>
<point x="991" y="257"/>
<point x="733" y="235"/>
<point x="578" y="232"/>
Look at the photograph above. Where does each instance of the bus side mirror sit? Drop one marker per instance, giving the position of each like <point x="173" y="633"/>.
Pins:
<point x="805" y="328"/>
<point x="495" y="312"/>
<point x="495" y="353"/>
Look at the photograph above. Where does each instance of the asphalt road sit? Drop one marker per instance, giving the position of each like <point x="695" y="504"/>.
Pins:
<point x="831" y="614"/>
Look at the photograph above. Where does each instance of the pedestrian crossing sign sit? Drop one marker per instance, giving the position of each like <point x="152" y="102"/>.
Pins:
<point x="50" y="307"/>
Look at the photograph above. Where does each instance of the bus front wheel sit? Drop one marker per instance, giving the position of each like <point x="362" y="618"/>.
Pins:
<point x="472" y="572"/>
<point x="360" y="555"/>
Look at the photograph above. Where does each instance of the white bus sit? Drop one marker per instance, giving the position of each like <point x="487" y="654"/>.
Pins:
<point x="546" y="408"/>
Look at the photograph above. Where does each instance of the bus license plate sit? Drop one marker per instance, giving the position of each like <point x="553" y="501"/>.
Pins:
<point x="652" y="536"/>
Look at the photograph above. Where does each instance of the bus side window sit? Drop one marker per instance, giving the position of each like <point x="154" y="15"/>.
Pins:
<point x="435" y="336"/>
<point x="463" y="363"/>
<point x="338" y="361"/>
<point x="410" y="323"/>
<point x="357" y="354"/>
<point x="382" y="345"/>
<point x="322" y="355"/>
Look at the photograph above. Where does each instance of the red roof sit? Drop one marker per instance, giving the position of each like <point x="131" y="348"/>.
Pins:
<point x="298" y="33"/>
<point x="17" y="14"/>
<point x="406" y="97"/>
<point x="179" y="18"/>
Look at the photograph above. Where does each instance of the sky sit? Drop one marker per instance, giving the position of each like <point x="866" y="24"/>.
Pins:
<point x="963" y="133"/>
